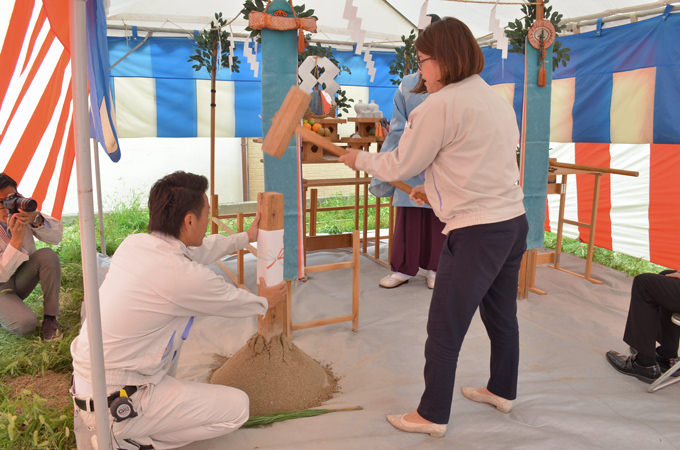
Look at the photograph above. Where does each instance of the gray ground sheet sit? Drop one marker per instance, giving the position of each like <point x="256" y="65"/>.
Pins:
<point x="568" y="395"/>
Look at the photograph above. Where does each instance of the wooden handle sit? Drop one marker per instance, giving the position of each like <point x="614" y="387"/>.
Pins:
<point x="407" y="188"/>
<point x="319" y="141"/>
<point x="629" y="173"/>
<point x="325" y="144"/>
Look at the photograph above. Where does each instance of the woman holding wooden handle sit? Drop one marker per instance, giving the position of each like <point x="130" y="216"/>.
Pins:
<point x="464" y="137"/>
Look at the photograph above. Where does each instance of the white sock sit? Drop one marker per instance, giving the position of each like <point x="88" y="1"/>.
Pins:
<point x="431" y="273"/>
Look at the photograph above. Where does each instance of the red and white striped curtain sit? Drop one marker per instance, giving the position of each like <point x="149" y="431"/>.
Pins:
<point x="37" y="142"/>
<point x="638" y="216"/>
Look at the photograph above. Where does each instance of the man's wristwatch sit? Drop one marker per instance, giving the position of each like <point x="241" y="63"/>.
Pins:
<point x="39" y="220"/>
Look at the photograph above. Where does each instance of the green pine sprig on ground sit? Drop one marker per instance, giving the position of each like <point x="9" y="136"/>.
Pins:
<point x="259" y="421"/>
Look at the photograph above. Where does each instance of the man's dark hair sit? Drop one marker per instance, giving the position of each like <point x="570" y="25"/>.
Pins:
<point x="6" y="180"/>
<point x="172" y="198"/>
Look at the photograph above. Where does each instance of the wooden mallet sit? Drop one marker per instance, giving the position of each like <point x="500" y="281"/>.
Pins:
<point x="286" y="122"/>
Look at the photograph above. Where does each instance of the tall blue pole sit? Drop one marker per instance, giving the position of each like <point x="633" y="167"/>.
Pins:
<point x="279" y="73"/>
<point x="536" y="138"/>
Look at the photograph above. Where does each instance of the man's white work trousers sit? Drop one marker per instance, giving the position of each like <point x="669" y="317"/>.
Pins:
<point x="176" y="412"/>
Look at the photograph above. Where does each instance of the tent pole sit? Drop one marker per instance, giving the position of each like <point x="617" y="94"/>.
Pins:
<point x="86" y="217"/>
<point x="100" y="210"/>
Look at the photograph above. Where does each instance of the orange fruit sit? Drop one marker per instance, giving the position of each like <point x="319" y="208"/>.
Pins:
<point x="307" y="125"/>
<point x="316" y="126"/>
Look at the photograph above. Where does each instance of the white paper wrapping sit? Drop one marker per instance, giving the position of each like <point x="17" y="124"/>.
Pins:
<point x="270" y="256"/>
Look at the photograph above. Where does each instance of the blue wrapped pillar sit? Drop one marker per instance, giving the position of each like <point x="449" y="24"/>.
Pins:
<point x="279" y="73"/>
<point x="535" y="143"/>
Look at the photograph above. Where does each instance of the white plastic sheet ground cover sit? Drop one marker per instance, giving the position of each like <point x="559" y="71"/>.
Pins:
<point x="568" y="395"/>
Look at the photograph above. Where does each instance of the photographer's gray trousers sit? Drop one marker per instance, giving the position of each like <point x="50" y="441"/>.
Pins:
<point x="15" y="316"/>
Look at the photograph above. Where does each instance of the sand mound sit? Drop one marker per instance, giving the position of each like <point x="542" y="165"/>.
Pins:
<point x="277" y="376"/>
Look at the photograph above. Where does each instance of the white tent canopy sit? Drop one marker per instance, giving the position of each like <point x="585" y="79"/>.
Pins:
<point x="383" y="20"/>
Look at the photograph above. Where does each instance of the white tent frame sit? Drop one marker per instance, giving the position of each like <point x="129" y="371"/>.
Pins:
<point x="88" y="243"/>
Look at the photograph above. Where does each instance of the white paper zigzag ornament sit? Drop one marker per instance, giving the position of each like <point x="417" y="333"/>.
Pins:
<point x="308" y="80"/>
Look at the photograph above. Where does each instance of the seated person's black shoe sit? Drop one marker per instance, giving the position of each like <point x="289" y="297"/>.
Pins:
<point x="627" y="366"/>
<point x="666" y="363"/>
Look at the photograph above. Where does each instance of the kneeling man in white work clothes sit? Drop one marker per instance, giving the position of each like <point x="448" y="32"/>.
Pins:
<point x="157" y="283"/>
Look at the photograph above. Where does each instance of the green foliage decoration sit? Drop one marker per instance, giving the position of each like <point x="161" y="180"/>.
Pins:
<point x="205" y="43"/>
<point x="405" y="62"/>
<point x="518" y="29"/>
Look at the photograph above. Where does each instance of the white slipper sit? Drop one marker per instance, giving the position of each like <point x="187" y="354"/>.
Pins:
<point x="393" y="280"/>
<point x="431" y="277"/>
<point x="433" y="429"/>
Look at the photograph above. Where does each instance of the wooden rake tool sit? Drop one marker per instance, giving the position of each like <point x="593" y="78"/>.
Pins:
<point x="286" y="122"/>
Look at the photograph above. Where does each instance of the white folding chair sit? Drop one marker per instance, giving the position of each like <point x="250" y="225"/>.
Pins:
<point x="666" y="379"/>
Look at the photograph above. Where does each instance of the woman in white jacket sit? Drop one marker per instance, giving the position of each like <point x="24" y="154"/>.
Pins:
<point x="464" y="137"/>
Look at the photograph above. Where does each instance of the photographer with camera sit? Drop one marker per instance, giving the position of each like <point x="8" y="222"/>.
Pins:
<point x="22" y="265"/>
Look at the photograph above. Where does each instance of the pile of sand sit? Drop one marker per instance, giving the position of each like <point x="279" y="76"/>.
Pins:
<point x="277" y="376"/>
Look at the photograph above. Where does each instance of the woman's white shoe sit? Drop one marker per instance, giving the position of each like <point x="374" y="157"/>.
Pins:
<point x="483" y="396"/>
<point x="431" y="277"/>
<point x="433" y="429"/>
<point x="393" y="280"/>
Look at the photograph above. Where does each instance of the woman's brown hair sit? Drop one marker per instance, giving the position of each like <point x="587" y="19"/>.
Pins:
<point x="451" y="44"/>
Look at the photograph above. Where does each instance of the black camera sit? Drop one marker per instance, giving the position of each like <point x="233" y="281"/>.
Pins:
<point x="15" y="203"/>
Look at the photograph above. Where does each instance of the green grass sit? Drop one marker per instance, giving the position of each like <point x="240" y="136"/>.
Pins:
<point x="336" y="222"/>
<point x="619" y="261"/>
<point x="28" y="421"/>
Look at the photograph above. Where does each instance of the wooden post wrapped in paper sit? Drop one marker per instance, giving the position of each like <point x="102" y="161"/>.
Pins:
<point x="270" y="253"/>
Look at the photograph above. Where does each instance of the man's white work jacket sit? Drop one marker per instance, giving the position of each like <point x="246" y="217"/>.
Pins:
<point x="154" y="287"/>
